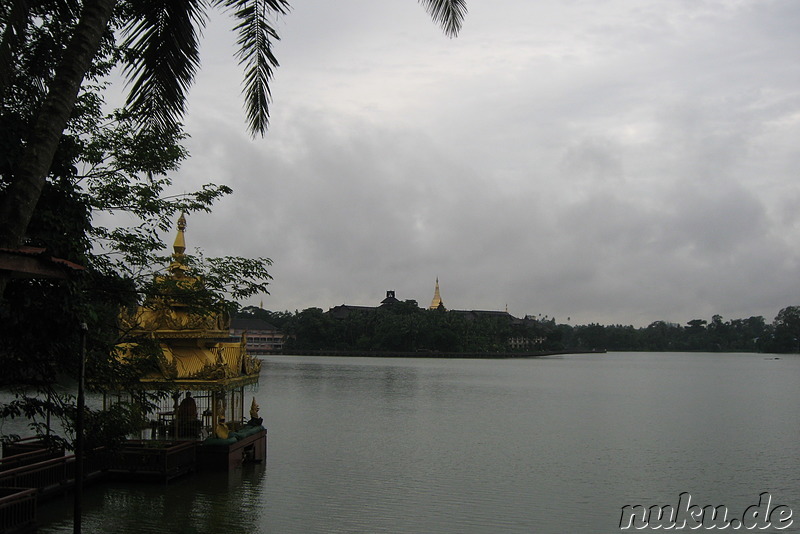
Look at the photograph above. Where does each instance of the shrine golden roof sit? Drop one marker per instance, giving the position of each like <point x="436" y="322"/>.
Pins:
<point x="193" y="345"/>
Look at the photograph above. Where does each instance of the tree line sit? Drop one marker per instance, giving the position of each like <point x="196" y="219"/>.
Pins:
<point x="753" y="334"/>
<point x="404" y="327"/>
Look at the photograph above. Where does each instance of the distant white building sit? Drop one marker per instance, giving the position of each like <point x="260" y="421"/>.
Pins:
<point x="262" y="337"/>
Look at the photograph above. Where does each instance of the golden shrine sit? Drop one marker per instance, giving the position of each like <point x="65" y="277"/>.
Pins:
<point x="206" y="372"/>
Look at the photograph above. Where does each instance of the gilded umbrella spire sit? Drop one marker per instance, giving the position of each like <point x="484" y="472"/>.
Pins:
<point x="180" y="242"/>
<point x="178" y="265"/>
<point x="436" y="303"/>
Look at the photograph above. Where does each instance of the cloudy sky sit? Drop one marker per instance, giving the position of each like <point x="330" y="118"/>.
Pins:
<point x="614" y="161"/>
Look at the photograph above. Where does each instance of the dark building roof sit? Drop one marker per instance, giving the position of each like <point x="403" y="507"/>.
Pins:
<point x="251" y="324"/>
<point x="343" y="310"/>
<point x="35" y="262"/>
<point x="390" y="299"/>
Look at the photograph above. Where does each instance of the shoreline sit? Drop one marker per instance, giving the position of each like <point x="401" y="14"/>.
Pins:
<point x="434" y="354"/>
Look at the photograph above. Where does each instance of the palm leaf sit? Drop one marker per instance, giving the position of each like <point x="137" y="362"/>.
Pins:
<point x="13" y="36"/>
<point x="449" y="14"/>
<point x="162" y="43"/>
<point x="163" y="52"/>
<point x="256" y="35"/>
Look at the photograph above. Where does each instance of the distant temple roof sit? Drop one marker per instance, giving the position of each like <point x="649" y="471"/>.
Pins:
<point x="344" y="310"/>
<point x="390" y="299"/>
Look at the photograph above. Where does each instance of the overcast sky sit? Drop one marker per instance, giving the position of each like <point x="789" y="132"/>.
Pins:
<point x="613" y="161"/>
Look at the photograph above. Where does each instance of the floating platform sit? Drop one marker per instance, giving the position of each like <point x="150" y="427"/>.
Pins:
<point x="247" y="445"/>
<point x="165" y="461"/>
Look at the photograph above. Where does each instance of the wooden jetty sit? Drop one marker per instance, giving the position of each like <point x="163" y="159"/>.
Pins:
<point x="35" y="475"/>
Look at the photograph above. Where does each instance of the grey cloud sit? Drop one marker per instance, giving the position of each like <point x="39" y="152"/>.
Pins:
<point x="617" y="162"/>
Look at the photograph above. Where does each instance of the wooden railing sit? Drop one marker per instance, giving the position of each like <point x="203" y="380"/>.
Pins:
<point x="27" y="476"/>
<point x="30" y="457"/>
<point x="17" y="509"/>
<point x="33" y="443"/>
<point x="43" y="475"/>
<point x="52" y="475"/>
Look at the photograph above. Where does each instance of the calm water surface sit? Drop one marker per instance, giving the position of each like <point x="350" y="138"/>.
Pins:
<point x="547" y="445"/>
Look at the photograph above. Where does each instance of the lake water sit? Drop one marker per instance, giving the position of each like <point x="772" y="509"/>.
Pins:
<point x="545" y="445"/>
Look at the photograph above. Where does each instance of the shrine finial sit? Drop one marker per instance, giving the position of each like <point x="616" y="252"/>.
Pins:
<point x="180" y="242"/>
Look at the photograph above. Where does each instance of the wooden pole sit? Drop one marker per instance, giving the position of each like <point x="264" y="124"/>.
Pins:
<point x="79" y="444"/>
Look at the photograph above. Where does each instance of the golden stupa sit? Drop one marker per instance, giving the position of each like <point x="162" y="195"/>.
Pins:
<point x="436" y="303"/>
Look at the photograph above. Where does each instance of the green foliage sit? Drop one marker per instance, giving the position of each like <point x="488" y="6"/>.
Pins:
<point x="277" y="319"/>
<point x="111" y="426"/>
<point x="234" y="276"/>
<point x="106" y="205"/>
<point x="37" y="411"/>
<point x="312" y="329"/>
<point x="786" y="337"/>
<point x="743" y="335"/>
<point x="404" y="327"/>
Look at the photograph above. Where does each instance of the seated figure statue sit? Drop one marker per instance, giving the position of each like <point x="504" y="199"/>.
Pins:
<point x="186" y="418"/>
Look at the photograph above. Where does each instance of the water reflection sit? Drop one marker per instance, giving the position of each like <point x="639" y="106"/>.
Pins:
<point x="470" y="446"/>
<point x="198" y="504"/>
<point x="389" y="381"/>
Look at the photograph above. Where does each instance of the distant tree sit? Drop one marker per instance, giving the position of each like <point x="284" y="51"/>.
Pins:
<point x="276" y="319"/>
<point x="312" y="329"/>
<point x="592" y="336"/>
<point x="749" y="334"/>
<point x="697" y="325"/>
<point x="787" y="330"/>
<point x="660" y="336"/>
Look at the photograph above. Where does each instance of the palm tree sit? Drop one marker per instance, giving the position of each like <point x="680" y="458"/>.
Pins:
<point x="162" y="41"/>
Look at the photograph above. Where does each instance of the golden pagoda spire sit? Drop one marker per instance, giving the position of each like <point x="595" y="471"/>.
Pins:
<point x="178" y="265"/>
<point x="436" y="303"/>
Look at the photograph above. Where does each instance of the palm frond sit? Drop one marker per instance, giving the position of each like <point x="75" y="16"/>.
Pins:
<point x="15" y="28"/>
<point x="449" y="14"/>
<point x="163" y="57"/>
<point x="256" y="36"/>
